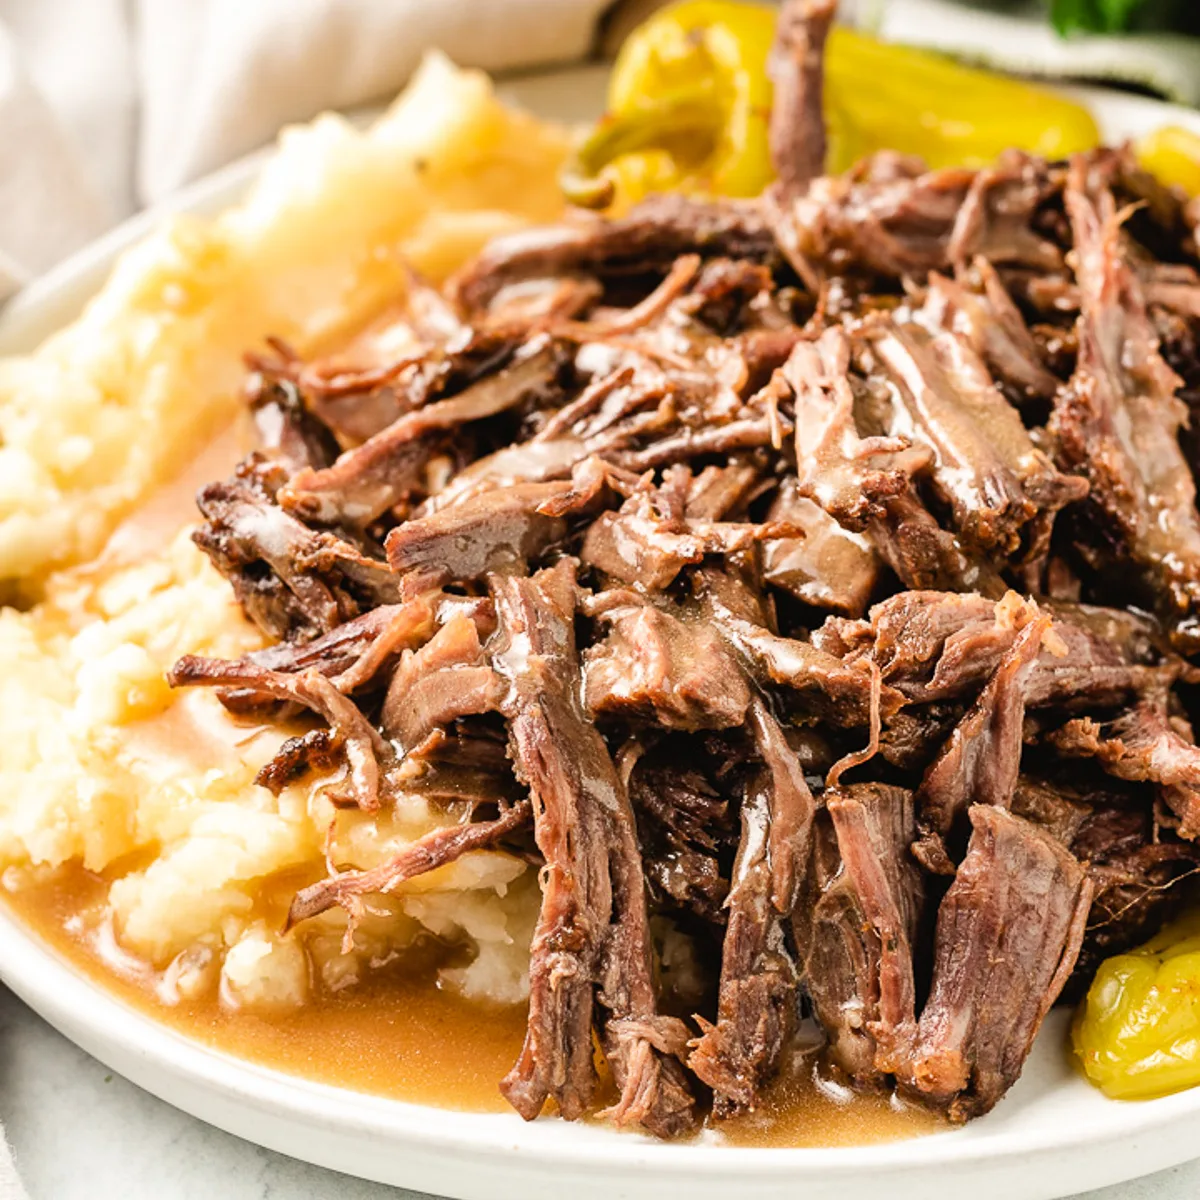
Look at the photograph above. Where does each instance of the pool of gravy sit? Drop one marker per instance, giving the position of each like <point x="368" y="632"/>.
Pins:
<point x="399" y="1035"/>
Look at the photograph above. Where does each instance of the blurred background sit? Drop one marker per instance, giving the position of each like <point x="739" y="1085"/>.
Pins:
<point x="109" y="105"/>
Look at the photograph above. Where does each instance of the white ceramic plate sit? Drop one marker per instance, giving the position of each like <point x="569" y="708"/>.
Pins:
<point x="1052" y="1135"/>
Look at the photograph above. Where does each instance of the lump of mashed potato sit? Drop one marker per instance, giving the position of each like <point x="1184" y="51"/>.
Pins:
<point x="102" y="763"/>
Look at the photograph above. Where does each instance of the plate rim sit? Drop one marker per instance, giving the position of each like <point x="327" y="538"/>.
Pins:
<point x="136" y="1045"/>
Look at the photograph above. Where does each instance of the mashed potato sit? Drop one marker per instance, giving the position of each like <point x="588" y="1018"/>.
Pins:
<point x="102" y="762"/>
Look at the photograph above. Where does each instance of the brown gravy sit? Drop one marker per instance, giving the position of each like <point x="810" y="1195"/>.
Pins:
<point x="172" y="505"/>
<point x="399" y="1035"/>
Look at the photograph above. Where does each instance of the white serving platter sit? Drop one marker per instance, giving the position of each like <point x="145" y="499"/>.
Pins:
<point x="1052" y="1135"/>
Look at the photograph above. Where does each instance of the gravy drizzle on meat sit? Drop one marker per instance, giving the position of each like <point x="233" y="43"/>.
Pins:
<point x="690" y="506"/>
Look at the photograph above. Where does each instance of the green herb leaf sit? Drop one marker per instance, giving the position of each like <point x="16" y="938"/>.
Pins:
<point x="1093" y="16"/>
<point x="1118" y="16"/>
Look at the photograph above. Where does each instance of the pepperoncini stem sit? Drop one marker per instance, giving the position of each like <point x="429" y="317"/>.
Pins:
<point x="588" y="178"/>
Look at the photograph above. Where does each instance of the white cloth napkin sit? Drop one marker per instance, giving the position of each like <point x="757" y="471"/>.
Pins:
<point x="108" y="105"/>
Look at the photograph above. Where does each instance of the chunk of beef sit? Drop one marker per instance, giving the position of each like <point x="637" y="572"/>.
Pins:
<point x="592" y="926"/>
<point x="1052" y="806"/>
<point x="924" y="555"/>
<point x="447" y="678"/>
<point x="572" y="783"/>
<point x="738" y="1055"/>
<point x="891" y="218"/>
<point x="370" y="479"/>
<point x="534" y="461"/>
<point x="674" y="673"/>
<point x="858" y="964"/>
<point x="645" y="1049"/>
<point x="331" y="403"/>
<point x="647" y="545"/>
<point x="292" y="582"/>
<point x="864" y="478"/>
<point x="839" y="955"/>
<point x="1143" y="744"/>
<point x="829" y="567"/>
<point x="1008" y="934"/>
<point x="717" y="491"/>
<point x="797" y="69"/>
<point x="825" y="685"/>
<point x="500" y="529"/>
<point x="907" y="633"/>
<point x="994" y="328"/>
<point x="932" y="647"/>
<point x="1002" y="491"/>
<point x="874" y="825"/>
<point x="1134" y="867"/>
<point x="1117" y="422"/>
<point x="980" y="762"/>
<point x="911" y="737"/>
<point x="655" y="232"/>
<point x="730" y="293"/>
<point x="684" y="823"/>
<point x="648" y="310"/>
<point x="851" y="477"/>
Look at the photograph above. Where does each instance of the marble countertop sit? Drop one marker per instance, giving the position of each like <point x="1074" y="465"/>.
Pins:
<point x="127" y="1145"/>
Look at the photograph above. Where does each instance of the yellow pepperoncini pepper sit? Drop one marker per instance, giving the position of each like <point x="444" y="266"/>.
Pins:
<point x="1138" y="1031"/>
<point x="1172" y="156"/>
<point x="884" y="97"/>
<point x="689" y="104"/>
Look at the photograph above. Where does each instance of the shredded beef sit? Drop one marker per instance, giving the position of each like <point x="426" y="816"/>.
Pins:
<point x="981" y="759"/>
<point x="984" y="467"/>
<point x="1008" y="934"/>
<point x="994" y="328"/>
<point x="368" y="480"/>
<point x="427" y="853"/>
<point x="756" y="1006"/>
<point x="358" y="740"/>
<point x="1143" y="744"/>
<point x="1117" y="421"/>
<point x="802" y="585"/>
<point x="797" y="68"/>
<point x="867" y="896"/>
<point x="657" y="230"/>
